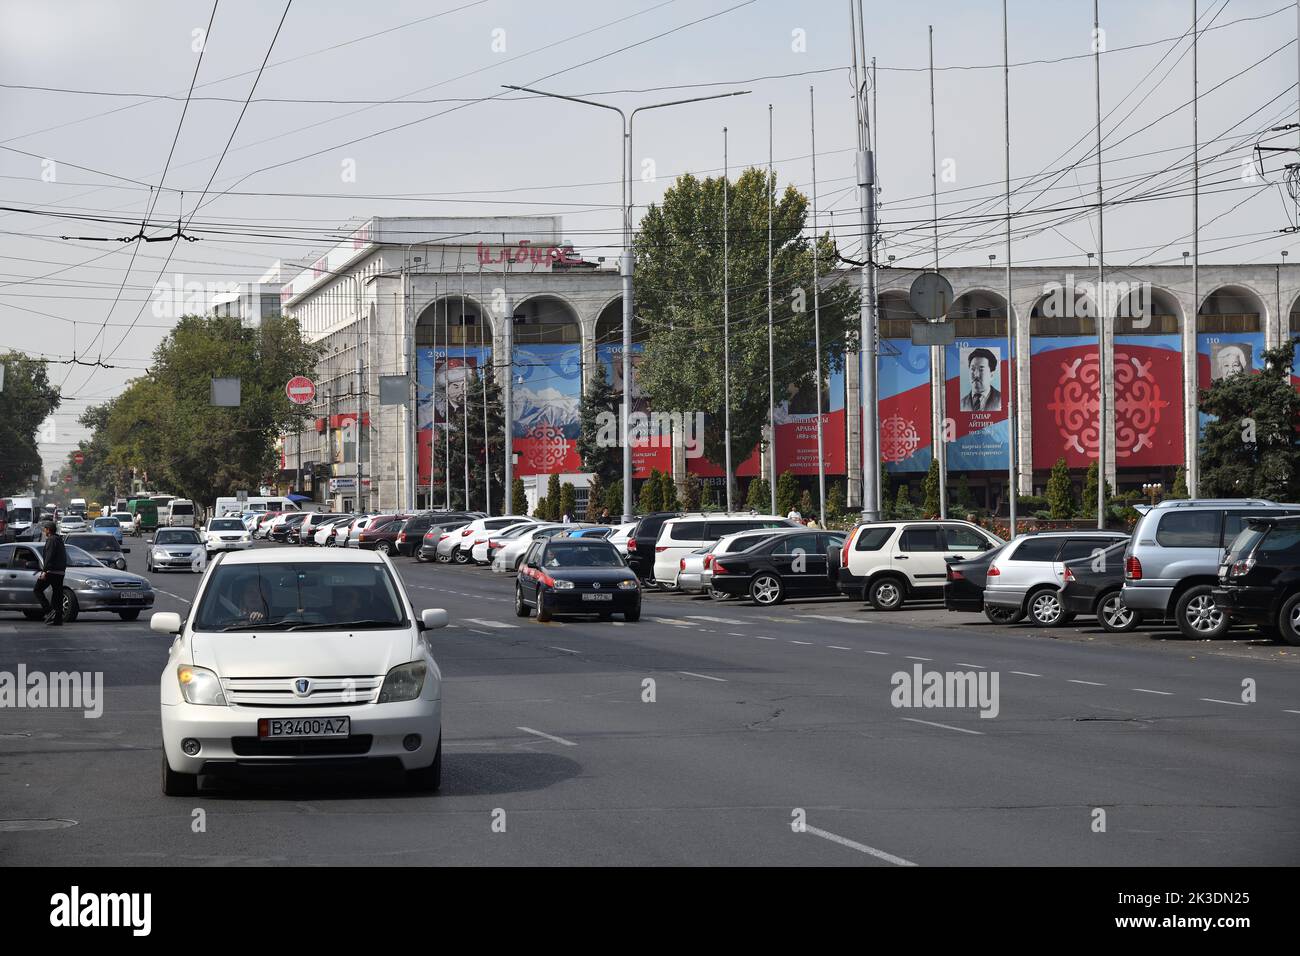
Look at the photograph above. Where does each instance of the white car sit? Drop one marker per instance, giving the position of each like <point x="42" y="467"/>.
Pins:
<point x="618" y="537"/>
<point x="333" y="531"/>
<point x="226" y="534"/>
<point x="888" y="562"/>
<point x="354" y="531"/>
<point x="125" y="521"/>
<point x="72" y="524"/>
<point x="695" y="571"/>
<point x="456" y="546"/>
<point x="1027" y="575"/>
<point x="176" y="549"/>
<point x="487" y="542"/>
<point x="300" y="657"/>
<point x="511" y="553"/>
<point x="679" y="536"/>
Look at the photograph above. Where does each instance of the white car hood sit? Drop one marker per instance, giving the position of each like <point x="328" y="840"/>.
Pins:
<point x="302" y="653"/>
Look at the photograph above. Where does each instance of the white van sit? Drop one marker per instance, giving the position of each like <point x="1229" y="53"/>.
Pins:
<point x="182" y="514"/>
<point x="235" y="506"/>
<point x="680" y="536"/>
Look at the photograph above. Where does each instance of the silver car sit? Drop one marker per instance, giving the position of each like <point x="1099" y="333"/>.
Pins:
<point x="176" y="549"/>
<point x="1172" y="562"/>
<point x="88" y="586"/>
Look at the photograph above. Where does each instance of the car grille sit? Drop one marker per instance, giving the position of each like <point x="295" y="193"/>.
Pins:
<point x="309" y="747"/>
<point x="278" y="691"/>
<point x="125" y="585"/>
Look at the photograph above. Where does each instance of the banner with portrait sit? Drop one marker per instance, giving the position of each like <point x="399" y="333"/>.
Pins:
<point x="975" y="399"/>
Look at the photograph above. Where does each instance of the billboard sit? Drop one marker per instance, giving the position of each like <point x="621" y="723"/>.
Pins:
<point x="444" y="378"/>
<point x="975" y="399"/>
<point x="656" y="451"/>
<point x="903" y="381"/>
<point x="796" y="429"/>
<point x="547" y="390"/>
<point x="1220" y="354"/>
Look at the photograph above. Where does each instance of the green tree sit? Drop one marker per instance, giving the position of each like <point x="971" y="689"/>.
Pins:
<point x="759" y="497"/>
<point x="963" y="502"/>
<point x="1088" y="504"/>
<point x="835" y="500"/>
<point x="543" y="510"/>
<point x="598" y="453"/>
<point x="1060" y="492"/>
<point x="787" y="492"/>
<point x="679" y="291"/>
<point x="518" y="497"/>
<point x="553" y="497"/>
<point x="614" y="499"/>
<point x="26" y="401"/>
<point x="568" y="501"/>
<point x="1180" y="484"/>
<point x="806" y="506"/>
<point x="595" y="498"/>
<point x="649" y="498"/>
<point x="903" y="505"/>
<point x="668" y="500"/>
<point x="930" y="490"/>
<point x="1251" y="445"/>
<point x="691" y="492"/>
<point x="708" y="500"/>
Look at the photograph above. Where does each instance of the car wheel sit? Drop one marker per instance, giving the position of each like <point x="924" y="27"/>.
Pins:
<point x="459" y="556"/>
<point x="1004" y="615"/>
<point x="1288" y="621"/>
<point x="33" y="615"/>
<point x="148" y="565"/>
<point x="427" y="779"/>
<point x="384" y="548"/>
<point x="420" y="558"/>
<point x="633" y="615"/>
<point x="521" y="609"/>
<point x="1197" y="616"/>
<point x="128" y="615"/>
<point x="543" y="612"/>
<point x="885" y="594"/>
<point x="70" y="609"/>
<point x="178" y="784"/>
<point x="1045" y="608"/>
<point x="1114" y="617"/>
<point x="717" y="595"/>
<point x="766" y="590"/>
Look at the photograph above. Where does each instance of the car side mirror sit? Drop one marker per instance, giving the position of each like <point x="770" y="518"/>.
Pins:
<point x="165" y="622"/>
<point x="433" y="618"/>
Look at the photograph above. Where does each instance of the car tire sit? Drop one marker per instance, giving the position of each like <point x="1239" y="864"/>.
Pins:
<point x="1044" y="608"/>
<point x="1006" y="616"/>
<point x="543" y="612"/>
<point x="128" y="615"/>
<point x="70" y="609"/>
<point x="460" y="557"/>
<point x="766" y="590"/>
<point x="633" y="615"/>
<point x="384" y="548"/>
<point x="521" y="609"/>
<point x="178" y="784"/>
<point x="886" y="593"/>
<point x="1288" y="621"/>
<point x="427" y="779"/>
<point x="33" y="615"/>
<point x="1114" y="617"/>
<point x="1196" y="615"/>
<point x="420" y="558"/>
<point x="716" y="595"/>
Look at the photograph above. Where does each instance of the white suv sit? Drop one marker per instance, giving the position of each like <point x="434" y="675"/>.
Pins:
<point x="1026" y="578"/>
<point x="679" y="536"/>
<point x="888" y="562"/>
<point x="300" y="657"/>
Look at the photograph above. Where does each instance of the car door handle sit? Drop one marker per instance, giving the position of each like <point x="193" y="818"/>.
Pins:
<point x="900" y="557"/>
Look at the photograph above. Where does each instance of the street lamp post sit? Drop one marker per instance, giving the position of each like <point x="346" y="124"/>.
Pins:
<point x="626" y="264"/>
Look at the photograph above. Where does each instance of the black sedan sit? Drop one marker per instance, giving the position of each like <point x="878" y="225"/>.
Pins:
<point x="576" y="576"/>
<point x="964" y="589"/>
<point x="1094" y="585"/>
<point x="1259" y="580"/>
<point x="790" y="564"/>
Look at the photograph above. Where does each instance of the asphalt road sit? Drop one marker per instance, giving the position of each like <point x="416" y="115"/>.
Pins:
<point x="760" y="719"/>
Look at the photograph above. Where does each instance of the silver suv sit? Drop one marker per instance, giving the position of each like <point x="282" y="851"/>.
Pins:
<point x="1172" y="562"/>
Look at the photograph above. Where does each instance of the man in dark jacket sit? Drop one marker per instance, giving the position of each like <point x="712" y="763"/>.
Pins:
<point x="55" y="561"/>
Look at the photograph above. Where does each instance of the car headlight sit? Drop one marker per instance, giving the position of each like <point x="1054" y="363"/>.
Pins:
<point x="561" y="585"/>
<point x="97" y="584"/>
<point x="200" y="685"/>
<point x="628" y="585"/>
<point x="403" y="682"/>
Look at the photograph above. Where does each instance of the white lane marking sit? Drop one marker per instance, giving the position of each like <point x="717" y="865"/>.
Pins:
<point x="860" y="847"/>
<point x="826" y="617"/>
<point x="565" y="649"/>
<point x="911" y="658"/>
<point x="808" y="643"/>
<point x="1290" y="711"/>
<point x="761" y="638"/>
<point x="880" y="653"/>
<point x="715" y="620"/>
<point x="735" y="634"/>
<point x="720" y="680"/>
<point x="961" y="664"/>
<point x="558" y="740"/>
<point x="1026" y="674"/>
<point x="477" y="631"/>
<point x="931" y="723"/>
<point x="675" y="622"/>
<point x="838" y="647"/>
<point x="486" y="623"/>
<point x="8" y="629"/>
<point x="1233" y="703"/>
<point x="1162" y="693"/>
<point x="170" y="595"/>
<point x="1090" y="683"/>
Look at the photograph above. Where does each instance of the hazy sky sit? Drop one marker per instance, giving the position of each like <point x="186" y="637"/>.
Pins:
<point x="472" y="155"/>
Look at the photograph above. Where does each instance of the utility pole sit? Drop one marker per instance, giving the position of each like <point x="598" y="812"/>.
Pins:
<point x="817" y="316"/>
<point x="508" y="392"/>
<point x="771" y="364"/>
<point x="1192" y="419"/>
<point x="866" y="174"/>
<point x="464" y="377"/>
<point x="1102" y="306"/>
<point x="938" y="353"/>
<point x="726" y="315"/>
<point x="1013" y="456"/>
<point x="483" y="373"/>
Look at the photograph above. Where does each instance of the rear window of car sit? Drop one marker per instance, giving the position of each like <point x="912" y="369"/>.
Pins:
<point x="872" y="539"/>
<point x="1036" y="549"/>
<point x="1084" y="547"/>
<point x="689" y="531"/>
<point x="1190" y="529"/>
<point x="1281" y="544"/>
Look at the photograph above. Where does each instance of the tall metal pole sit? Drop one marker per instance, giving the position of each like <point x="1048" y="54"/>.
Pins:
<point x="356" y="282"/>
<point x="627" y="268"/>
<point x="771" y="363"/>
<point x="1013" y="457"/>
<point x="938" y="353"/>
<point x="874" y="132"/>
<point x="508" y="391"/>
<point x="1193" y="459"/>
<point x="726" y="314"/>
<point x="483" y="373"/>
<point x="464" y="377"/>
<point x="817" y="316"/>
<point x="1102" y="306"/>
<point x="866" y="174"/>
<point x="446" y="393"/>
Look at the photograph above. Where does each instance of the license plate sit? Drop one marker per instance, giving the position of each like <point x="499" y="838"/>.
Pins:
<point x="130" y="596"/>
<point x="598" y="597"/>
<point x="304" y="727"/>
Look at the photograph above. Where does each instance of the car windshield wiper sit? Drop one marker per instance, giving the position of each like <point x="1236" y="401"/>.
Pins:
<point x="344" y="625"/>
<point x="282" y="624"/>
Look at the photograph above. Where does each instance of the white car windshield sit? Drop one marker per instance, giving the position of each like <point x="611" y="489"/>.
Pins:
<point x="226" y="524"/>
<point x="303" y="596"/>
<point x="176" y="536"/>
